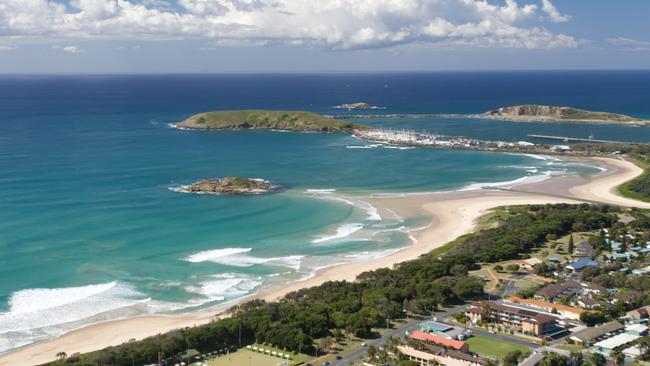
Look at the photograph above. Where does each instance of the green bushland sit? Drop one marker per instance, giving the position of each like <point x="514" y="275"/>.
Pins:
<point x="418" y="286"/>
<point x="267" y="120"/>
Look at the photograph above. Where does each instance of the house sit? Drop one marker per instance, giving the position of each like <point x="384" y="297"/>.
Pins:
<point x="521" y="319"/>
<point x="632" y="352"/>
<point x="637" y="329"/>
<point x="581" y="264"/>
<point x="591" y="335"/>
<point x="624" y="257"/>
<point x="527" y="264"/>
<point x="559" y="291"/>
<point x="640" y="313"/>
<point x="587" y="302"/>
<point x="565" y="311"/>
<point x="440" y="341"/>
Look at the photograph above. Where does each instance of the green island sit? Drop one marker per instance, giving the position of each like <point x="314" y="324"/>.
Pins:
<point x="299" y="121"/>
<point x="546" y="113"/>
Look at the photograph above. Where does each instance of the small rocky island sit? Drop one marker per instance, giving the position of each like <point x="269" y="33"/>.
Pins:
<point x="266" y="120"/>
<point x="230" y="186"/>
<point x="546" y="113"/>
<point x="356" y="106"/>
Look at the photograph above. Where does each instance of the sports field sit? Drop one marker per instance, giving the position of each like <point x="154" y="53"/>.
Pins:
<point x="247" y="358"/>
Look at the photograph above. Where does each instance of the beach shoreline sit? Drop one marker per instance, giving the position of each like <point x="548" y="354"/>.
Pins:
<point x="453" y="214"/>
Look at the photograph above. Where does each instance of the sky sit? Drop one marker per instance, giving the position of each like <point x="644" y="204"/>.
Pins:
<point x="229" y="36"/>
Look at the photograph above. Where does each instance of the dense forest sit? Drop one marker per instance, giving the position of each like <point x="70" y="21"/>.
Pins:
<point x="418" y="286"/>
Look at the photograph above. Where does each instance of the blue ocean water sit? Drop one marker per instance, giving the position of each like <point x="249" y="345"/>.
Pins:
<point x="91" y="228"/>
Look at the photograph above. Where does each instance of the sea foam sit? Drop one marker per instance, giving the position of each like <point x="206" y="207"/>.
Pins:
<point x="342" y="231"/>
<point x="38" y="313"/>
<point x="215" y="254"/>
<point x="235" y="257"/>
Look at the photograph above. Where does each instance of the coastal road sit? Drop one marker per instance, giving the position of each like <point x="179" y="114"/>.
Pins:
<point x="358" y="354"/>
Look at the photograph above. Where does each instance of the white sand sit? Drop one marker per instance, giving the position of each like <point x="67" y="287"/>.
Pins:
<point x="453" y="214"/>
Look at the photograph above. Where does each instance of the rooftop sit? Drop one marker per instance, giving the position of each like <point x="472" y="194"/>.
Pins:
<point x="581" y="264"/>
<point x="432" y="326"/>
<point x="546" y="304"/>
<point x="539" y="316"/>
<point x="422" y="336"/>
<point x="617" y="341"/>
<point x="595" y="332"/>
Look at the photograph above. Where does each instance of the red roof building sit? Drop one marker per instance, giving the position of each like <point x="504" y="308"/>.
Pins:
<point x="441" y="341"/>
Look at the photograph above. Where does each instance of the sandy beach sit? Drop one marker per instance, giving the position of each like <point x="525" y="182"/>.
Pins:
<point x="453" y="214"/>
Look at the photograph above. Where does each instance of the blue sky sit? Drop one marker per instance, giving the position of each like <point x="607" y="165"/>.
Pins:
<point x="188" y="36"/>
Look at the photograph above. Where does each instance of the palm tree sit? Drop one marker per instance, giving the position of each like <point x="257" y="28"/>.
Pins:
<point x="619" y="358"/>
<point x="644" y="346"/>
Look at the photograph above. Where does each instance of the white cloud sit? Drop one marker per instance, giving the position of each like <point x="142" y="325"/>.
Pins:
<point x="629" y="44"/>
<point x="68" y="49"/>
<point x="553" y="14"/>
<point x="335" y="24"/>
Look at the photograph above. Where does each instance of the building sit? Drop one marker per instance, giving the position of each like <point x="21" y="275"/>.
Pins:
<point x="632" y="352"/>
<point x="568" y="312"/>
<point x="440" y="341"/>
<point x="580" y="264"/>
<point x="609" y="345"/>
<point x="445" y="330"/>
<point x="527" y="264"/>
<point x="591" y="335"/>
<point x="440" y="356"/>
<point x="640" y="313"/>
<point x="587" y="302"/>
<point x="520" y="319"/>
<point x="559" y="291"/>
<point x="637" y="329"/>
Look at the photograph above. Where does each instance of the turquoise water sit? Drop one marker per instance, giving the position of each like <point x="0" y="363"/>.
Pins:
<point x="92" y="229"/>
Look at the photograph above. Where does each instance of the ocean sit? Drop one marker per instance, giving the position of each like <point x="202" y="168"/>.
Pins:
<point x="92" y="229"/>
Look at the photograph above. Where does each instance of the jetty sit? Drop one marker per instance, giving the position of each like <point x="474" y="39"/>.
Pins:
<point x="574" y="139"/>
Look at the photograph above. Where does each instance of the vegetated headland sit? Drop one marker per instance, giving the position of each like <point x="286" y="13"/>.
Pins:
<point x="523" y="113"/>
<point x="298" y="121"/>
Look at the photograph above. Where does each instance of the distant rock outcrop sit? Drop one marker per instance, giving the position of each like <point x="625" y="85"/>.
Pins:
<point x="359" y="105"/>
<point x="230" y="186"/>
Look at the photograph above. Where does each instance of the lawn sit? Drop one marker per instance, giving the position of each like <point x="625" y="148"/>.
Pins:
<point x="245" y="357"/>
<point x="571" y="347"/>
<point x="493" y="347"/>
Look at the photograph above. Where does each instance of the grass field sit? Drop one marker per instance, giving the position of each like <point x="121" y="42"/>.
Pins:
<point x="492" y="347"/>
<point x="245" y="358"/>
<point x="571" y="347"/>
